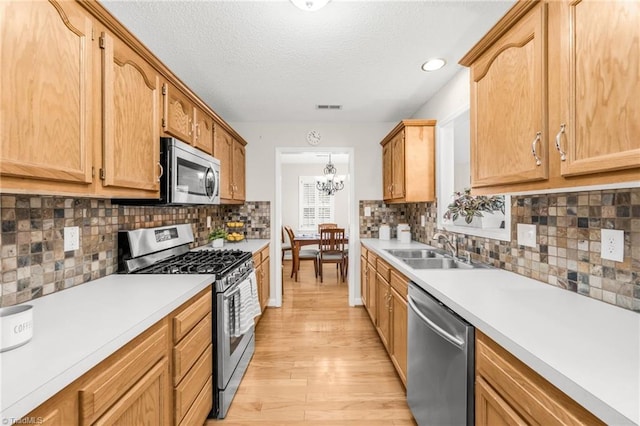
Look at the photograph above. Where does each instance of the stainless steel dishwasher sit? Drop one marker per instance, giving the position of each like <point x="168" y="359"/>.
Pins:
<point x="440" y="371"/>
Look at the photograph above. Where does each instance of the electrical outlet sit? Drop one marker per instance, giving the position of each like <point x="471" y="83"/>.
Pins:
<point x="208" y="222"/>
<point x="367" y="211"/>
<point x="612" y="244"/>
<point x="71" y="238"/>
<point x="423" y="220"/>
<point x="526" y="235"/>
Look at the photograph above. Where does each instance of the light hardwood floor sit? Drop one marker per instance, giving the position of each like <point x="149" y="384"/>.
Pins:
<point x="318" y="362"/>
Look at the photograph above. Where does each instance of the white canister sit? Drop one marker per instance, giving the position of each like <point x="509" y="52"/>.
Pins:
<point x="404" y="233"/>
<point x="16" y="325"/>
<point x="384" y="232"/>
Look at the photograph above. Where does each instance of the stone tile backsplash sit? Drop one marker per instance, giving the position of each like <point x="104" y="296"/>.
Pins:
<point x="32" y="254"/>
<point x="567" y="253"/>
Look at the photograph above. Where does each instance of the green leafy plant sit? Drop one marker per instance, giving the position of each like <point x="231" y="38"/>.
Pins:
<point x="469" y="206"/>
<point x="217" y="233"/>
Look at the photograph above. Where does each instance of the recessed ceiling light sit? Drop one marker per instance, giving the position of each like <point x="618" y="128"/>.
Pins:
<point x="433" y="64"/>
<point x="310" y="5"/>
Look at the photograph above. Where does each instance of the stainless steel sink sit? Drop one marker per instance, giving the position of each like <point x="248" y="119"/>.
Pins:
<point x="437" y="263"/>
<point x="414" y="253"/>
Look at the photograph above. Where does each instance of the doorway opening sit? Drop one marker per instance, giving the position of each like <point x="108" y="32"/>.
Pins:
<point x="291" y="164"/>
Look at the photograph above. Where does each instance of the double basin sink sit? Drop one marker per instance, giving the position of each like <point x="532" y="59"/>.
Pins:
<point x="431" y="259"/>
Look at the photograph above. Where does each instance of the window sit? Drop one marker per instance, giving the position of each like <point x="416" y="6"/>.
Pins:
<point x="314" y="207"/>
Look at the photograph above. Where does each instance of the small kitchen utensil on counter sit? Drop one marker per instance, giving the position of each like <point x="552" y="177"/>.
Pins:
<point x="384" y="233"/>
<point x="16" y="324"/>
<point x="404" y="233"/>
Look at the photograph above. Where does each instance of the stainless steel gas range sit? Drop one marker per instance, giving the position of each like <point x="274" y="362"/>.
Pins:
<point x="165" y="250"/>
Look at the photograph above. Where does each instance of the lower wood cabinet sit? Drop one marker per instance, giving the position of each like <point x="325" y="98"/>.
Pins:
<point x="384" y="295"/>
<point x="192" y="359"/>
<point x="510" y="393"/>
<point x="261" y="263"/>
<point x="134" y="385"/>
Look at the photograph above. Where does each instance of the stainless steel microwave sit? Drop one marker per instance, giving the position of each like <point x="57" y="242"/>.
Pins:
<point x="190" y="176"/>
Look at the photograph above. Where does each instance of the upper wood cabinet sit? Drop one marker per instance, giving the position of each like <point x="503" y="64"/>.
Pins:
<point x="46" y="92"/>
<point x="178" y="114"/>
<point x="408" y="162"/>
<point x="231" y="153"/>
<point x="599" y="58"/>
<point x="203" y="136"/>
<point x="554" y="97"/>
<point x="84" y="104"/>
<point x="131" y="124"/>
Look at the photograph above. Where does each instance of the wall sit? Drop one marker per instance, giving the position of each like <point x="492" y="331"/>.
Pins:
<point x="291" y="193"/>
<point x="263" y="138"/>
<point x="34" y="262"/>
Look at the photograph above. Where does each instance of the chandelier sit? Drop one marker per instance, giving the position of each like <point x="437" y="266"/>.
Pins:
<point x="329" y="183"/>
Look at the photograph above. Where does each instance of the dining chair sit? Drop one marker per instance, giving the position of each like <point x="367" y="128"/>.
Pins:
<point x="332" y="249"/>
<point x="286" y="243"/>
<point x="300" y="255"/>
<point x="326" y="225"/>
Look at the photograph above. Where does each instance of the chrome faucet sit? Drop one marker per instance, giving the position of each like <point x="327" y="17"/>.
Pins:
<point x="448" y="243"/>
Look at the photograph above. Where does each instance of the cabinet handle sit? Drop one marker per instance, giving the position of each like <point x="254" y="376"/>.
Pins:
<point x="161" y="171"/>
<point x="190" y="125"/>
<point x="533" y="148"/>
<point x="563" y="155"/>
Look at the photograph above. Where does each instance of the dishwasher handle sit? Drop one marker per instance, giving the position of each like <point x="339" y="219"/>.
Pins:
<point x="456" y="341"/>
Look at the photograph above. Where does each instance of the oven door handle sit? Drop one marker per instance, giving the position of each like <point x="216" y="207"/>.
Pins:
<point x="233" y="293"/>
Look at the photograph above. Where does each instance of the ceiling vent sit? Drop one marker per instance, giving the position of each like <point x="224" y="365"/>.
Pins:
<point x="327" y="107"/>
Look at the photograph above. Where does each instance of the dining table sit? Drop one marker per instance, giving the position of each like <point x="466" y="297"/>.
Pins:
<point x="307" y="239"/>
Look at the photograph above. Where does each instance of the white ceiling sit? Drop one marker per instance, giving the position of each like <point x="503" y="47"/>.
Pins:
<point x="267" y="61"/>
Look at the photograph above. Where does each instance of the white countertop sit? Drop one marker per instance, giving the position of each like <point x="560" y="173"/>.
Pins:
<point x="587" y="348"/>
<point x="77" y="328"/>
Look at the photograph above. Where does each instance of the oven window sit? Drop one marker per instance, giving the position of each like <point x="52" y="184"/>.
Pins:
<point x="191" y="178"/>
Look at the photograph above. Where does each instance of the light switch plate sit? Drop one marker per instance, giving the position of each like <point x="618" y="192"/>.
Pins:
<point x="526" y="235"/>
<point x="423" y="220"/>
<point x="612" y="244"/>
<point x="208" y="222"/>
<point x="367" y="211"/>
<point x="71" y="238"/>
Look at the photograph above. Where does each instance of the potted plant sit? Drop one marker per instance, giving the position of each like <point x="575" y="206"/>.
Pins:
<point x="475" y="209"/>
<point x="217" y="237"/>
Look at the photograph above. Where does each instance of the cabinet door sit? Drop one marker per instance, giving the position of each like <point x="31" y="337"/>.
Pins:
<point x="399" y="334"/>
<point x="492" y="410"/>
<point x="364" y="284"/>
<point x="266" y="270"/>
<point x="203" y="139"/>
<point x="131" y="127"/>
<point x="222" y="150"/>
<point x="600" y="86"/>
<point x="178" y="114"/>
<point x="508" y="112"/>
<point x="372" y="297"/>
<point x="238" y="170"/>
<point x="46" y="91"/>
<point x="259" y="277"/>
<point x="398" y="169"/>
<point x="383" y="321"/>
<point x="387" y="174"/>
<point x="146" y="403"/>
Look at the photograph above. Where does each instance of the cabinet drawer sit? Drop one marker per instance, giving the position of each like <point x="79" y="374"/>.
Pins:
<point x="528" y="393"/>
<point x="264" y="253"/>
<point x="187" y="391"/>
<point x="189" y="349"/>
<point x="257" y="259"/>
<point x="400" y="283"/>
<point x="184" y="321"/>
<point x="201" y="407"/>
<point x="383" y="269"/>
<point x="371" y="257"/>
<point x="363" y="251"/>
<point x="116" y="378"/>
